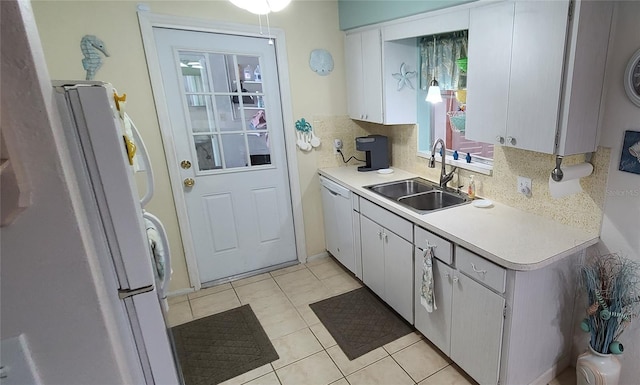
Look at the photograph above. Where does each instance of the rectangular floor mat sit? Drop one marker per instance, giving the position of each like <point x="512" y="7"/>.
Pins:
<point x="359" y="321"/>
<point x="222" y="346"/>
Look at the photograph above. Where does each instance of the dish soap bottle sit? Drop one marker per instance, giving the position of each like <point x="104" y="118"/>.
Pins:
<point x="247" y="72"/>
<point x="257" y="76"/>
<point x="472" y="187"/>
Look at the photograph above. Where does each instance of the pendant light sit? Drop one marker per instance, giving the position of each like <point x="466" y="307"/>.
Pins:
<point x="433" y="95"/>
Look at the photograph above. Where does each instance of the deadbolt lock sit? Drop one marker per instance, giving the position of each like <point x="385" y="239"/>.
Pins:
<point x="189" y="182"/>
<point x="185" y="164"/>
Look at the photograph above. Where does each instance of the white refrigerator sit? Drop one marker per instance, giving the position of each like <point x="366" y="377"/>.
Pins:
<point x="131" y="245"/>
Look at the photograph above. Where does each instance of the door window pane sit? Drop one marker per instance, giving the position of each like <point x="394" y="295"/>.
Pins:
<point x="229" y="113"/>
<point x="194" y="72"/>
<point x="207" y="152"/>
<point x="202" y="116"/>
<point x="235" y="150"/>
<point x="259" y="151"/>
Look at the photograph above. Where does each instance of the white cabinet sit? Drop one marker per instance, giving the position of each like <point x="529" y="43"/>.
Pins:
<point x="536" y="71"/>
<point x="387" y="257"/>
<point x="373" y="93"/>
<point x="372" y="255"/>
<point x="477" y="321"/>
<point x="436" y="326"/>
<point x="467" y="324"/>
<point x="363" y="56"/>
<point x="338" y="230"/>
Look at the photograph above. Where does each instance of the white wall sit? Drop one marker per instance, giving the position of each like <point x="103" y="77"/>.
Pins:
<point x="50" y="288"/>
<point x="620" y="232"/>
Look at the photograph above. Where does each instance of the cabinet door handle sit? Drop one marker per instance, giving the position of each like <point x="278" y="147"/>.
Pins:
<point x="380" y="234"/>
<point x="476" y="270"/>
<point x="385" y="237"/>
<point x="500" y="139"/>
<point x="511" y="140"/>
<point x="455" y="279"/>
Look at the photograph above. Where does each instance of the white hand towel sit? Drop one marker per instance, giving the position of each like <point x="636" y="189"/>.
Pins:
<point x="428" y="298"/>
<point x="158" y="252"/>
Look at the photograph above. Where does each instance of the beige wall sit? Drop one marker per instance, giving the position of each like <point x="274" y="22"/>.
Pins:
<point x="307" y="25"/>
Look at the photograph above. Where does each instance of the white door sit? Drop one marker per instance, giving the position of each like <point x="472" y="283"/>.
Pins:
<point x="229" y="140"/>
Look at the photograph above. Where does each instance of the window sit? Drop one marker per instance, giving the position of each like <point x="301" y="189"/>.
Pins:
<point x="444" y="57"/>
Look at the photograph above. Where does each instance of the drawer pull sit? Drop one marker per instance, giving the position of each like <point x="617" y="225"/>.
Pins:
<point x="476" y="270"/>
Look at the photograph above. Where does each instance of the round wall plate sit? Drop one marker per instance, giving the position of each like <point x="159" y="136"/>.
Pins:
<point x="321" y="62"/>
<point x="632" y="78"/>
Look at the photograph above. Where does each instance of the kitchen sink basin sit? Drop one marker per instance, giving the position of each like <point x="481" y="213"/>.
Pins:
<point x="432" y="200"/>
<point x="395" y="190"/>
<point x="419" y="194"/>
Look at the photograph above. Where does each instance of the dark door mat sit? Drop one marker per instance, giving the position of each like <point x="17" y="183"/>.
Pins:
<point x="359" y="321"/>
<point x="222" y="346"/>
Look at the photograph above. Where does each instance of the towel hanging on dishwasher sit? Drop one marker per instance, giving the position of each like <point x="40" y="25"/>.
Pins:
<point x="427" y="296"/>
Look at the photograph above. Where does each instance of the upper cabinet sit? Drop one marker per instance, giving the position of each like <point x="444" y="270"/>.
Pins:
<point x="535" y="74"/>
<point x="364" y="75"/>
<point x="382" y="78"/>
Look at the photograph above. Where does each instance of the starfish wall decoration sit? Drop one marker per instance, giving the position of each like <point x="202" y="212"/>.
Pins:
<point x="403" y="77"/>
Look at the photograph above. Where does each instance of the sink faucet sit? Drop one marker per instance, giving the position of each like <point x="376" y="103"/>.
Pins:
<point x="444" y="177"/>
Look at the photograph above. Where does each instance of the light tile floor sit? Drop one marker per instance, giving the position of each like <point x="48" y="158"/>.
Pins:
<point x="308" y="353"/>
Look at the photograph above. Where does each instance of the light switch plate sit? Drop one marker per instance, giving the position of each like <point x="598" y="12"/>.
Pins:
<point x="17" y="366"/>
<point x="524" y="186"/>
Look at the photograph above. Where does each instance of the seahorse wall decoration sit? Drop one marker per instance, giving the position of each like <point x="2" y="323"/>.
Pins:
<point x="91" y="47"/>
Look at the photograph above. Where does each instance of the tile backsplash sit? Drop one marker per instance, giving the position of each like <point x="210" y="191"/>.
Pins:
<point x="583" y="210"/>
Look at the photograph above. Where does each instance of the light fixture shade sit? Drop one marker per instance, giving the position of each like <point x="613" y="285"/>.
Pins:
<point x="261" y="7"/>
<point x="433" y="95"/>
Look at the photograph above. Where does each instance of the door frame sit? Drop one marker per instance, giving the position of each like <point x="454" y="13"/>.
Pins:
<point x="148" y="21"/>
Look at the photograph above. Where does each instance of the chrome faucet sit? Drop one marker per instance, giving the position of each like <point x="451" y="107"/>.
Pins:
<point x="444" y="177"/>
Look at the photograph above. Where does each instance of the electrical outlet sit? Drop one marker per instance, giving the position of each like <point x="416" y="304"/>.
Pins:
<point x="524" y="186"/>
<point x="337" y="145"/>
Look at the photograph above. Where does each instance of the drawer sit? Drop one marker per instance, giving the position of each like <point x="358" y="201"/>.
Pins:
<point x="444" y="249"/>
<point x="478" y="268"/>
<point x="387" y="219"/>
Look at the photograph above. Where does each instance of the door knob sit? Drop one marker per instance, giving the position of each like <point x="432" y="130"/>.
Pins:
<point x="511" y="140"/>
<point x="500" y="139"/>
<point x="185" y="164"/>
<point x="189" y="182"/>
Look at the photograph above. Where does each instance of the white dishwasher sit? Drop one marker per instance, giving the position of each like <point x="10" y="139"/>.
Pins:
<point x="338" y="230"/>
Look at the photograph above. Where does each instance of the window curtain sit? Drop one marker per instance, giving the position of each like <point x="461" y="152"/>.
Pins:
<point x="449" y="48"/>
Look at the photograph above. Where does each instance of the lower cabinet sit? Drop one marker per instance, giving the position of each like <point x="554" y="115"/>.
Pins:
<point x="387" y="266"/>
<point x="468" y="322"/>
<point x="436" y="326"/>
<point x="477" y="320"/>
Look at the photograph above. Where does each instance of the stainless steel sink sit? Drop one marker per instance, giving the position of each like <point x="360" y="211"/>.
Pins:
<point x="432" y="200"/>
<point x="420" y="194"/>
<point x="395" y="190"/>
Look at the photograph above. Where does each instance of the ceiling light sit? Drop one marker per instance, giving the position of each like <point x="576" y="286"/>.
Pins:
<point x="261" y="7"/>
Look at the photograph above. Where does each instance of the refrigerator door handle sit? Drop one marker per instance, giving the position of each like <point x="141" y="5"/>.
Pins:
<point x="126" y="293"/>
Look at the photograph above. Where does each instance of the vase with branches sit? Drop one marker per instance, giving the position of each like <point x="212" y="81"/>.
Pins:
<point x="612" y="286"/>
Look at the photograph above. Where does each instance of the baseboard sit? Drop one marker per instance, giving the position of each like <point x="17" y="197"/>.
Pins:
<point x="553" y="372"/>
<point x="324" y="254"/>
<point x="180" y="292"/>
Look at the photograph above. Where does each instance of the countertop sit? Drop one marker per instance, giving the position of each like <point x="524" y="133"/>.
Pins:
<point x="505" y="235"/>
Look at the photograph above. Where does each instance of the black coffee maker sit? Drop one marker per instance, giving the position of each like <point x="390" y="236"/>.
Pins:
<point x="376" y="151"/>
